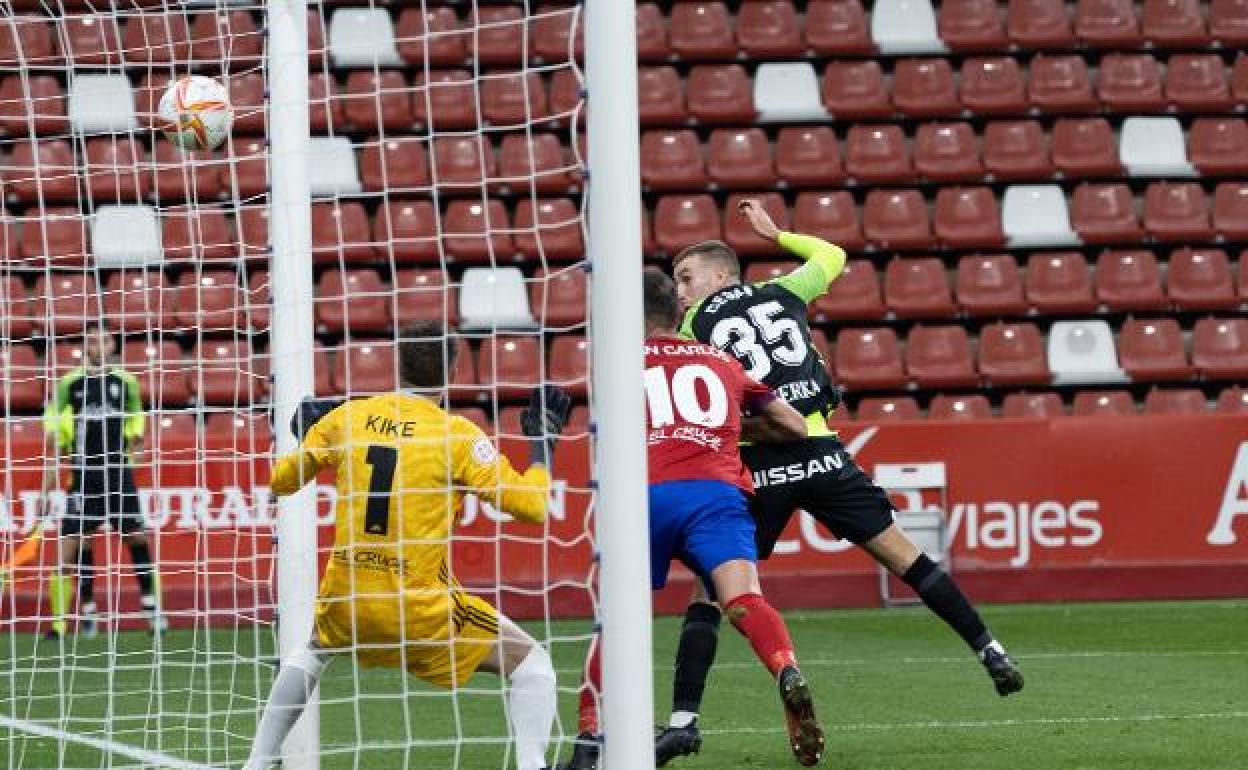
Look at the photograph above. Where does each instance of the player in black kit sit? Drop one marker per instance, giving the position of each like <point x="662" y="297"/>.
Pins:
<point x="764" y="326"/>
<point x="96" y="420"/>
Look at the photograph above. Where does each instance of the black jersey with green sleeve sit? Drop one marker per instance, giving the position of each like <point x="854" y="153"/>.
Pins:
<point x="765" y="326"/>
<point x="93" y="415"/>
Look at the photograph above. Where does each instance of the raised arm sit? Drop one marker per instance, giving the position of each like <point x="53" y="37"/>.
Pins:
<point x="823" y="261"/>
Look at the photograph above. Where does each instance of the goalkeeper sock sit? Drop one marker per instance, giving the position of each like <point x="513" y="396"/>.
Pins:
<point x="943" y="597"/>
<point x="531" y="708"/>
<point x="699" y="639"/>
<point x="759" y="622"/>
<point x="60" y="590"/>
<point x="296" y="681"/>
<point x="141" y="557"/>
<point x="591" y="685"/>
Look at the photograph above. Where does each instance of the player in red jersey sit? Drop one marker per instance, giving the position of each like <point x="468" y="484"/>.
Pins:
<point x="699" y="512"/>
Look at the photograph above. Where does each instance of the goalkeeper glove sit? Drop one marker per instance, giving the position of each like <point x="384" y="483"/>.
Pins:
<point x="543" y="420"/>
<point x="309" y="412"/>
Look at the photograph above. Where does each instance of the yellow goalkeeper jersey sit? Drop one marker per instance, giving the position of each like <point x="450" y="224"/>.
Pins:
<point x="403" y="467"/>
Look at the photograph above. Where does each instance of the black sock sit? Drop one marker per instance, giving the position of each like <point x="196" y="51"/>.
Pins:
<point x="695" y="655"/>
<point x="86" y="577"/>
<point x="943" y="597"/>
<point x="141" y="555"/>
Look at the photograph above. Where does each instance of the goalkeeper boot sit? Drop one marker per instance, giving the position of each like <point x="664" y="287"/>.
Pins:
<point x="584" y="753"/>
<point x="805" y="733"/>
<point x="1004" y="672"/>
<point x="88" y="622"/>
<point x="675" y="742"/>
<point x="156" y="622"/>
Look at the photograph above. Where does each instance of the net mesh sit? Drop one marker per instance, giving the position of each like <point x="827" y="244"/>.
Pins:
<point x="446" y="175"/>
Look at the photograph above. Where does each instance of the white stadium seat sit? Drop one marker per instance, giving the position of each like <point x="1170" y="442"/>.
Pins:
<point x="331" y="167"/>
<point x="494" y="298"/>
<point x="1037" y="215"/>
<point x="1083" y="353"/>
<point x="787" y="92"/>
<point x="125" y="236"/>
<point x="101" y="104"/>
<point x="363" y="37"/>
<point x="1154" y="147"/>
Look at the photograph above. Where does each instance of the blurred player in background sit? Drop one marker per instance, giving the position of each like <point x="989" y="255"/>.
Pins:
<point x="403" y="465"/>
<point x="764" y="325"/>
<point x="698" y="506"/>
<point x="95" y="419"/>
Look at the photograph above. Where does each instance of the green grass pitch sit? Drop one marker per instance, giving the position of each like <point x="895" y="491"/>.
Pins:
<point x="1138" y="686"/>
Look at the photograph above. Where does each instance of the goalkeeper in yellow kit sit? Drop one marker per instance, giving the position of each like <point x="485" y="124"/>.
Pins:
<point x="403" y="466"/>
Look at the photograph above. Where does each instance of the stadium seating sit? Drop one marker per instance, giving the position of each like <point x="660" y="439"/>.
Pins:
<point x="1175" y="401"/>
<point x="831" y="216"/>
<point x="352" y="299"/>
<point x="423" y="295"/>
<point x="210" y="301"/>
<point x="161" y="369"/>
<point x="720" y="93"/>
<point x="972" y="25"/>
<point x="25" y="382"/>
<point x="918" y="288"/>
<point x="1102" y="403"/>
<point x="559" y="296"/>
<point x="1220" y="348"/>
<point x="897" y="219"/>
<point x="990" y="285"/>
<point x="1219" y="146"/>
<point x="1233" y="400"/>
<point x="947" y="152"/>
<point x="856" y="294"/>
<point x="569" y="363"/>
<point x="1024" y="404"/>
<point x="740" y="159"/>
<point x="680" y="220"/>
<point x="702" y="31"/>
<point x="737" y="231"/>
<point x="228" y="374"/>
<point x="365" y="367"/>
<point x="1016" y="150"/>
<point x="968" y="218"/>
<point x="876" y="409"/>
<point x="1012" y="354"/>
<point x="116" y="169"/>
<point x="672" y="160"/>
<point x="477" y="233"/>
<point x="940" y="357"/>
<point x="511" y="365"/>
<point x="837" y="28"/>
<point x="1083" y="353"/>
<point x="951" y="407"/>
<point x="1152" y="351"/>
<point x="769" y="29"/>
<point x="1129" y="280"/>
<point x="869" y="359"/>
<point x="1059" y="282"/>
<point x="407" y="231"/>
<point x="1200" y="279"/>
<point x="137" y="300"/>
<point x="548" y="229"/>
<point x="494" y="298"/>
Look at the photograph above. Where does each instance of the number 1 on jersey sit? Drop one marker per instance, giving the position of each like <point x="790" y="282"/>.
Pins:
<point x="383" y="460"/>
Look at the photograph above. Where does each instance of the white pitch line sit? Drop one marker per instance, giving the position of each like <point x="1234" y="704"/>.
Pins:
<point x="990" y="723"/>
<point x="153" y="758"/>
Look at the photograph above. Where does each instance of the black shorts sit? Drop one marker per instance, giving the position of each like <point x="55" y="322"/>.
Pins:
<point x="816" y="475"/>
<point x="104" y="495"/>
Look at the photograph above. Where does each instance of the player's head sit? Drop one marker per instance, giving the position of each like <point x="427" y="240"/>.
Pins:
<point x="704" y="268"/>
<point x="661" y="308"/>
<point x="98" y="343"/>
<point x="426" y="355"/>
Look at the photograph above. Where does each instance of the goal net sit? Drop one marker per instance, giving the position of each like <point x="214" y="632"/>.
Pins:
<point x="445" y="175"/>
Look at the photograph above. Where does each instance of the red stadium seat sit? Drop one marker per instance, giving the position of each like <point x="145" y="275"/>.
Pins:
<point x="377" y="100"/>
<point x="837" y="27"/>
<point x="152" y="86"/>
<point x="701" y="31"/>
<point x="940" y="357"/>
<point x="1239" y="78"/>
<point x="1042" y="24"/>
<point x="808" y="156"/>
<point x="1152" y="351"/>
<point x="1013" y="354"/>
<point x="432" y="35"/>
<point x="246" y="432"/>
<point x="1200" y="279"/>
<point x="366" y="367"/>
<point x="924" y="88"/>
<point x="510" y="365"/>
<point x="513" y="99"/>
<point x="151" y="38"/>
<point x="831" y="216"/>
<point x="1060" y="85"/>
<point x="1230" y="210"/>
<point x="993" y="86"/>
<point x="228" y="374"/>
<point x="422" y="295"/>
<point x="855" y="294"/>
<point x="569" y="363"/>
<point x="63" y="357"/>
<point x="737" y="231"/>
<point x="1016" y="150"/>
<point x="947" y="152"/>
<point x="210" y="301"/>
<point x="560" y="296"/>
<point x="533" y="163"/>
<point x="352" y="300"/>
<point x="672" y="160"/>
<point x="971" y="25"/>
<point x="1107" y="23"/>
<point x="91" y="39"/>
<point x="462" y="162"/>
<point x="197" y="233"/>
<point x="407" y="231"/>
<point x="245" y="175"/>
<point x="918" y="288"/>
<point x="1174" y="23"/>
<point x="180" y="175"/>
<point x="990" y="285"/>
<point x="226" y="36"/>
<point x="1130" y="82"/>
<point x="1197" y="83"/>
<point x="947" y="407"/>
<point x="161" y="369"/>
<point x="740" y="159"/>
<point x="1228" y="22"/>
<point x="1175" y="401"/>
<point x="116" y="169"/>
<point x="394" y="164"/>
<point x="652" y="40"/>
<point x="968" y="217"/>
<point x="340" y="233"/>
<point x="1177" y="212"/>
<point x="33" y="102"/>
<point x="246" y="90"/>
<point x="138" y="300"/>
<point x="1105" y="213"/>
<point x="16" y="319"/>
<point x="721" y="93"/>
<point x="551" y="34"/>
<point x="1232" y="400"/>
<point x="874" y="409"/>
<point x="1129" y="281"/>
<point x="1218" y="146"/>
<point x="42" y="170"/>
<point x="27" y="41"/>
<point x="855" y="90"/>
<point x="253" y="231"/>
<point x="661" y="97"/>
<point x="877" y="154"/>
<point x="549" y="229"/>
<point x="761" y="272"/>
<point x="1044" y="405"/>
<point x="1085" y="147"/>
<point x="56" y="234"/>
<point x="897" y="219"/>
<point x="325" y="107"/>
<point x="477" y="232"/>
<point x="25" y="383"/>
<point x="869" y="359"/>
<point x="498" y="35"/>
<point x="1059" y="283"/>
<point x="259" y="301"/>
<point x="683" y="220"/>
<point x="1243" y="275"/>
<point x="1103" y="403"/>
<point x="445" y="100"/>
<point x="564" y="95"/>
<point x="9" y="241"/>
<point x="1220" y="348"/>
<point x="769" y="29"/>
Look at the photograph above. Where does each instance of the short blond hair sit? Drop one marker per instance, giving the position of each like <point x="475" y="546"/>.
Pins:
<point x="716" y="251"/>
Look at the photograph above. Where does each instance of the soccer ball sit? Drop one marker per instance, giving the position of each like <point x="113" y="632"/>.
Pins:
<point x="195" y="113"/>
